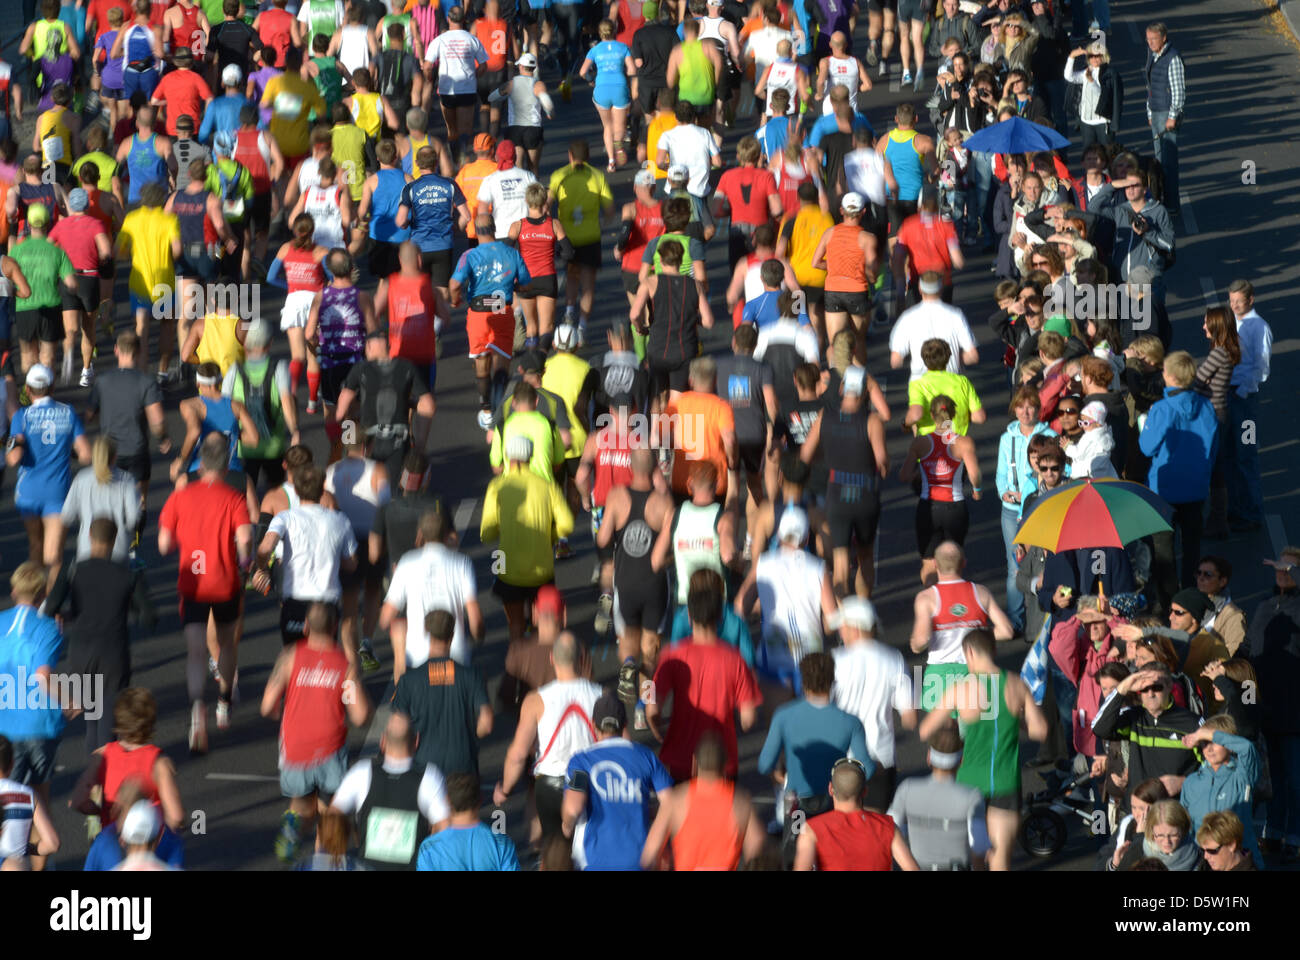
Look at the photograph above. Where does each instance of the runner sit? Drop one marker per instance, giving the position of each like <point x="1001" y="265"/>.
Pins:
<point x="416" y="314"/>
<point x="542" y="243"/>
<point x="458" y="57"/>
<point x="944" y="821"/>
<point x="22" y="810"/>
<point x="581" y="196"/>
<point x="299" y="263"/>
<point x="678" y="304"/>
<point x="848" y="837"/>
<point x="52" y="281"/>
<point x="433" y="207"/>
<point x="265" y="392"/>
<point x="340" y="317"/>
<point x="152" y="237"/>
<point x="849" y="256"/>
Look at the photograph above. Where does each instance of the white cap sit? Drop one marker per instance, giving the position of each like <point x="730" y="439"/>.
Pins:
<point x="519" y="448"/>
<point x="855" y="381"/>
<point x="141" y="823"/>
<point x="259" y="334"/>
<point x="566" y="337"/>
<point x="678" y="171"/>
<point x="527" y="60"/>
<point x="1094" y="411"/>
<point x="858" y="612"/>
<point x="793" y="525"/>
<point x="40" y="377"/>
<point x="231" y="76"/>
<point x="852" y="202"/>
<point x="645" y="177"/>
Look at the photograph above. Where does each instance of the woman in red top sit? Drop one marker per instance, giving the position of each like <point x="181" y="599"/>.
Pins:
<point x="301" y="260"/>
<point x="748" y="194"/>
<point x="130" y="757"/>
<point x="83" y="238"/>
<point x="849" y="837"/>
<point x="643" y="220"/>
<point x="416" y="312"/>
<point x="536" y="237"/>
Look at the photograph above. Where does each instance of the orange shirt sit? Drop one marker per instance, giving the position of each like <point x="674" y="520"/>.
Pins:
<point x="709" y="838"/>
<point x="469" y="180"/>
<point x="927" y="239"/>
<point x="846" y="265"/>
<point x="697" y="435"/>
<point x="494" y="36"/>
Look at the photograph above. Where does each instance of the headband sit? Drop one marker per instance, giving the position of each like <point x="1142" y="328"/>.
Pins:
<point x="206" y="381"/>
<point x="944" y="761"/>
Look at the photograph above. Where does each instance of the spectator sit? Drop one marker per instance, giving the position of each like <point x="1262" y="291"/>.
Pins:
<point x="1274" y="639"/>
<point x="1226" y="780"/>
<point x="1224" y="617"/>
<point x="1220" y="839"/>
<point x="1212" y="379"/>
<point x="1166" y="97"/>
<point x="1255" y="338"/>
<point x="1146" y="725"/>
<point x="1168" y="838"/>
<point x="1130" y="829"/>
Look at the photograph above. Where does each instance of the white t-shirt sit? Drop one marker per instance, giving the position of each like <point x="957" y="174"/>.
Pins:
<point x="504" y="190"/>
<point x="789" y="586"/>
<point x="304" y="14"/>
<point x="762" y="45"/>
<point x="17" y="807"/>
<point x="804" y="340"/>
<point x="458" y="52"/>
<point x="693" y="147"/>
<point x="315" y="539"/>
<point x="430" y="578"/>
<point x="931" y="320"/>
<point x="431" y="798"/>
<point x="864" y="172"/>
<point x="871" y="683"/>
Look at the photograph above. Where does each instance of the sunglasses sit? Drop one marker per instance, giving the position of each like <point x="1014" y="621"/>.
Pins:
<point x="1207" y="573"/>
<point x="1065" y="412"/>
<point x="1175" y="612"/>
<point x="1154" y="689"/>
<point x="1049" y="468"/>
<point x="1211" y="851"/>
<point x="1086" y="422"/>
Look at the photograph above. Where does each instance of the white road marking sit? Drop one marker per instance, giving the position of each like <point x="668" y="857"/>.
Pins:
<point x="377" y="723"/>
<point x="1189" y="218"/>
<point x="243" y="777"/>
<point x="464" y="514"/>
<point x="1276" y="533"/>
<point x="1210" y="292"/>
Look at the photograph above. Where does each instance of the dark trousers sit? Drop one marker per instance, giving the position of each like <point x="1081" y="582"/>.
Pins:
<point x="797" y="820"/>
<point x="1188" y="523"/>
<point x="1091" y="133"/>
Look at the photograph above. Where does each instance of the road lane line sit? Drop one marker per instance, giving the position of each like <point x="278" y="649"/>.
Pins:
<point x="1189" y="218"/>
<point x="1210" y="292"/>
<point x="243" y="777"/>
<point x="464" y="514"/>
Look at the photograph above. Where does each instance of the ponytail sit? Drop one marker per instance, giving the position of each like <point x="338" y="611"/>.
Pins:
<point x="102" y="458"/>
<point x="303" y="230"/>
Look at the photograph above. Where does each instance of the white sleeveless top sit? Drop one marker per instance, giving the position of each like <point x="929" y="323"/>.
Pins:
<point x="350" y="482"/>
<point x="525" y="107"/>
<point x="308" y="173"/>
<point x="354" y="48"/>
<point x="753" y="277"/>
<point x="565" y="727"/>
<point x="782" y="76"/>
<point x="841" y="72"/>
<point x="17" y="807"/>
<point x="322" y="204"/>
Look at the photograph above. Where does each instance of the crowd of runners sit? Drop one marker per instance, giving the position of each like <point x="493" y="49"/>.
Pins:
<point x="379" y="168"/>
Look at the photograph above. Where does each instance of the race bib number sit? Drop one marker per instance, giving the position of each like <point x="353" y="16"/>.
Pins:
<point x="52" y="147"/>
<point x="287" y="106"/>
<point x="577" y="214"/>
<point x="390" y="835"/>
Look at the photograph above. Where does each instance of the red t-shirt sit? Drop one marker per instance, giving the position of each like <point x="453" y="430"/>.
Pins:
<point x="707" y="681"/>
<point x="411" y="312"/>
<point x="97" y="10"/>
<point x="747" y="190"/>
<point x="184" y="92"/>
<point x="927" y="238"/>
<point x="274" y="29"/>
<point x="75" y="236"/>
<point x="203" y="518"/>
<point x="853" y="841"/>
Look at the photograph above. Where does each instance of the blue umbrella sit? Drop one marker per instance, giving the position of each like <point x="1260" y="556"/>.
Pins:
<point x="1016" y="135"/>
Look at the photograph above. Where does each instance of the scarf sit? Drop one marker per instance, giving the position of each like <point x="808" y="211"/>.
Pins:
<point x="1183" y="859"/>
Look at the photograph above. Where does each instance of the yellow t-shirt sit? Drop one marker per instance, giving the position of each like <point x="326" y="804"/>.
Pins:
<point x="659" y="125"/>
<point x="564" y="376"/>
<point x="292" y="101"/>
<point x="103" y="162"/>
<point x="806" y="231"/>
<point x="348" y="146"/>
<point x="581" y="192"/>
<point x="150" y="232"/>
<point x="365" y="112"/>
<point x="528" y="514"/>
<point x="55" y="138"/>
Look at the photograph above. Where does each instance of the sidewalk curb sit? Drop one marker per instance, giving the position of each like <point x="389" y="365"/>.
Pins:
<point x="1291" y="13"/>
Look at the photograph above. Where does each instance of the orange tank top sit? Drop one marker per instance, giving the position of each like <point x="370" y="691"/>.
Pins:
<point x="709" y="838"/>
<point x="846" y="266"/>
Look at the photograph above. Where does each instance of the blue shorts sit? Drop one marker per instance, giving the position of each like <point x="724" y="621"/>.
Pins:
<point x="323" y="778"/>
<point x="35" y="498"/>
<point x="139" y="303"/>
<point x="616" y="98"/>
<point x="144" y="81"/>
<point x="34" y="761"/>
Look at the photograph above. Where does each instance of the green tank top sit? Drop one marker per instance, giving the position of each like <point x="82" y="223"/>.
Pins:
<point x="695" y="78"/>
<point x="320" y="19"/>
<point x="685" y="241"/>
<point x="991" y="754"/>
<point x="329" y="82"/>
<point x="264" y="408"/>
<point x="696" y="544"/>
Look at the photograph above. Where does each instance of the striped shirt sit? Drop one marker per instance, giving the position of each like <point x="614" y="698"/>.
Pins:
<point x="1213" y="376"/>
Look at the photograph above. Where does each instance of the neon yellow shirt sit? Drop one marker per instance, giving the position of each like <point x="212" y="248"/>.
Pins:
<point x="150" y="232"/>
<point x="533" y="425"/>
<point x="935" y="382"/>
<point x="564" y="376"/>
<point x="292" y="101"/>
<point x="582" y="192"/>
<point x="527" y="514"/>
<point x="348" y="144"/>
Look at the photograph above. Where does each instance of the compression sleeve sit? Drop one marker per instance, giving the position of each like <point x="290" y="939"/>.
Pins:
<point x="275" y="275"/>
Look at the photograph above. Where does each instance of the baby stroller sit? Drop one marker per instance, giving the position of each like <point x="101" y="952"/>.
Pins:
<point x="1045" y="816"/>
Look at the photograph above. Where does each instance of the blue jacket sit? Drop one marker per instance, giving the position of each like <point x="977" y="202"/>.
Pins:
<point x="1181" y="438"/>
<point x="1231" y="787"/>
<point x="1022" y="477"/>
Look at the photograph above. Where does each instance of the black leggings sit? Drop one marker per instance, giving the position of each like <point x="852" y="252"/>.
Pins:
<point x="940" y="520"/>
<point x="568" y="26"/>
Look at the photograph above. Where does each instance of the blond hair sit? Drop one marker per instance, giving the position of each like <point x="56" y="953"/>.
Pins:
<point x="102" y="456"/>
<point x="1181" y="367"/>
<point x="28" y="581"/>
<point x="1150" y="349"/>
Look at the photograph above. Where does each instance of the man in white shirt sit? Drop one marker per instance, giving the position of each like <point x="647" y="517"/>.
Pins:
<point x="430" y="577"/>
<point x="693" y="147"/>
<point x="760" y="46"/>
<point x="501" y="194"/>
<point x="1245" y="502"/>
<point x="868" y="173"/>
<point x="318" y="543"/>
<point x="459" y="58"/>
<point x="871" y="683"/>
<point x="931" y="319"/>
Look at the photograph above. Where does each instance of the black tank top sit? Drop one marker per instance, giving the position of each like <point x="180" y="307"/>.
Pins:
<point x="674" y="319"/>
<point x="190" y="210"/>
<point x="634" y="543"/>
<point x="392" y="809"/>
<point x="850" y="461"/>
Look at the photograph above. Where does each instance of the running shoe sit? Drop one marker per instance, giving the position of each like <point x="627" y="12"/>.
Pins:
<point x="223" y="714"/>
<point x="369" y="662"/>
<point x="627" y="680"/>
<point x="485" y="418"/>
<point x="87" y="376"/>
<point x="604" y="613"/>
<point x="873" y="55"/>
<point x="907" y="77"/>
<point x="920" y="76"/>
<point x="562" y="549"/>
<point x="312" y="407"/>
<point x="287" y="841"/>
<point x="198" y="730"/>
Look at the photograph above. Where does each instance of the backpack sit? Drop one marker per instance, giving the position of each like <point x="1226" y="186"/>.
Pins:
<point x="259" y="402"/>
<point x="232" y="204"/>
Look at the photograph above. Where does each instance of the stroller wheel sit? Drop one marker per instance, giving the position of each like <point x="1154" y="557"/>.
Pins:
<point x="1043" y="832"/>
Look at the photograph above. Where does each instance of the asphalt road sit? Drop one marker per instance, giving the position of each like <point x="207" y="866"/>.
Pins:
<point x="1242" y="109"/>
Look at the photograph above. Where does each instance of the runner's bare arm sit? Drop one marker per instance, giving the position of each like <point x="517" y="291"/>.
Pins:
<point x="901" y="852"/>
<point x="277" y="684"/>
<point x="921" y="611"/>
<point x="805" y="851"/>
<point x="530" y="712"/>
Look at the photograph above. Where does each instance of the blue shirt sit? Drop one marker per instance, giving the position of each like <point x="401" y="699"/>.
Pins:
<point x="609" y="57"/>
<point x="1256" y="339"/>
<point x="106" y="852"/>
<point x="773" y="136"/>
<point x="390" y="187"/>
<point x="491" y="269"/>
<point x="828" y="124"/>
<point x="812" y="738"/>
<point x="468" y="848"/>
<point x="28" y="642"/>
<point x="762" y="310"/>
<point x="432" y="201"/>
<point x="618" y="777"/>
<point x="49" y="429"/>
<point x="222" y="115"/>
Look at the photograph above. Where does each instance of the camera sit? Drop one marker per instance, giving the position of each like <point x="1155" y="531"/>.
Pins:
<point x="1142" y="223"/>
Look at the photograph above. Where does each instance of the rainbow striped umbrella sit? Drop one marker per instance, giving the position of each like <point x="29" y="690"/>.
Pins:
<point x="1093" y="513"/>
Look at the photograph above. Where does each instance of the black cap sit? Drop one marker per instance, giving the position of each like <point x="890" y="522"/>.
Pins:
<point x="609" y="715"/>
<point x="532" y="361"/>
<point x="378" y="332"/>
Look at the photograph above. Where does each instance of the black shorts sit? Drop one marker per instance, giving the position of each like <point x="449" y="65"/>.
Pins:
<point x="859" y="517"/>
<point x="383" y="259"/>
<point x="641" y="604"/>
<point x="751" y="455"/>
<point x="940" y="520"/>
<point x="226" y="611"/>
<point x="259" y="213"/>
<point x="196" y="264"/>
<point x="880" y="789"/>
<point x="668" y="375"/>
<point x="529" y="138"/>
<point x="451" y="101"/>
<point x="138" y="465"/>
<point x="509" y="593"/>
<point x="898" y="211"/>
<point x="44" y="324"/>
<point x="814" y="296"/>
<point x="293" y="619"/>
<point x="631" y="282"/>
<point x="539" y="287"/>
<point x="270" y="467"/>
<point x="85" y="297"/>
<point x="587" y="255"/>
<point x="331" y="382"/>
<point x="837" y="301"/>
<point x="1005" y="801"/>
<point x="549" y="794"/>
<point x="488" y="81"/>
<point x="367" y="574"/>
<point x="911" y="10"/>
<point x="876" y="6"/>
<point x="437" y="264"/>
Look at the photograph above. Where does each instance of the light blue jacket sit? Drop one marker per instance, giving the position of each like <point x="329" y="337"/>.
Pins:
<point x="1231" y="787"/>
<point x="1014" y="472"/>
<point x="1181" y="437"/>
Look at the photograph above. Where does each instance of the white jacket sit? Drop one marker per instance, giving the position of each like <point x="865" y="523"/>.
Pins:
<point x="1090" y="457"/>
